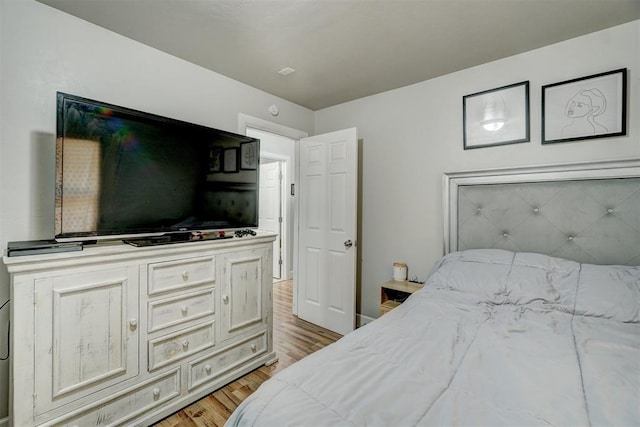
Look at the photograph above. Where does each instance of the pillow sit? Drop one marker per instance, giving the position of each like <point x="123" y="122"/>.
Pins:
<point x="487" y="256"/>
<point x="479" y="272"/>
<point x="504" y="277"/>
<point x="611" y="292"/>
<point x="544" y="279"/>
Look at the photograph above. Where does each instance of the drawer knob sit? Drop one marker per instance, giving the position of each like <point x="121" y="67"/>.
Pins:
<point x="133" y="324"/>
<point x="185" y="344"/>
<point x="207" y="368"/>
<point x="185" y="275"/>
<point x="156" y="393"/>
<point x="225" y="299"/>
<point x="184" y="310"/>
<point x="253" y="348"/>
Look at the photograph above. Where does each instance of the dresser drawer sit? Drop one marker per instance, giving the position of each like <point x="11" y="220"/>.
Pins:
<point x="176" y="310"/>
<point x="217" y="364"/>
<point x="128" y="404"/>
<point x="169" y="348"/>
<point x="180" y="274"/>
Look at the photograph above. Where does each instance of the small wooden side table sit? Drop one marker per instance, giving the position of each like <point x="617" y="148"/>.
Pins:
<point x="395" y="292"/>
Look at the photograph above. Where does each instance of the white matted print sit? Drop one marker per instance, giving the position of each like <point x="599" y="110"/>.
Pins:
<point x="230" y="160"/>
<point x="497" y="116"/>
<point x="249" y="155"/>
<point x="585" y="108"/>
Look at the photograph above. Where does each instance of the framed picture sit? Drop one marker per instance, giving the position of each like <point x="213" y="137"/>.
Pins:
<point x="230" y="160"/>
<point x="215" y="159"/>
<point x="249" y="155"/>
<point x="496" y="116"/>
<point x="585" y="108"/>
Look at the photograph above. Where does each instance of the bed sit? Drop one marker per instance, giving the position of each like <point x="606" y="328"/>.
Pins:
<point x="514" y="326"/>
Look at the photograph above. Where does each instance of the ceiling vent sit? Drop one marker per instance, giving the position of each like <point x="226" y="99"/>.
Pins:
<point x="286" y="71"/>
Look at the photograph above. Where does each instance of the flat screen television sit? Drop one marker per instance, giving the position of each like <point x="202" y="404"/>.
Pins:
<point x="122" y="173"/>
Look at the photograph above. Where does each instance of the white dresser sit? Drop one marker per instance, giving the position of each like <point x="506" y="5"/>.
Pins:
<point x="116" y="334"/>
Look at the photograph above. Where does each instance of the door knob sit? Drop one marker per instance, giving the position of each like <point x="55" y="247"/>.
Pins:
<point x="348" y="244"/>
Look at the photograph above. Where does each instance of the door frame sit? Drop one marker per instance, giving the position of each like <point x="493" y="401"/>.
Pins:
<point x="246" y="121"/>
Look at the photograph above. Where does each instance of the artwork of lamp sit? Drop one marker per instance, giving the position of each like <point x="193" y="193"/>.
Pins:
<point x="494" y="114"/>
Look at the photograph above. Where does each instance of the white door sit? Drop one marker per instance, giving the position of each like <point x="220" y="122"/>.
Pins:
<point x="326" y="278"/>
<point x="270" y="215"/>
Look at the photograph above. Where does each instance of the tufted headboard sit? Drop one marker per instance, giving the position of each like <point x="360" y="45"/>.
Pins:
<point x="232" y="206"/>
<point x="587" y="212"/>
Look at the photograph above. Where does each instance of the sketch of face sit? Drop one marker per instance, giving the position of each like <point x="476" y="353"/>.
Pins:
<point x="578" y="106"/>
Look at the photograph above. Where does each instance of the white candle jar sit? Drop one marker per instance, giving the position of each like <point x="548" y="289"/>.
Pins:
<point x="399" y="271"/>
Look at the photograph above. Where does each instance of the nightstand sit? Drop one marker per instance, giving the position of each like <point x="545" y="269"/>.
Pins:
<point x="395" y="292"/>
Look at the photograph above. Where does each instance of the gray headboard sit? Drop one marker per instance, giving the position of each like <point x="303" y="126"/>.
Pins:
<point x="587" y="212"/>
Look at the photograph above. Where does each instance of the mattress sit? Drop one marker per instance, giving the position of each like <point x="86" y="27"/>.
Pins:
<point x="493" y="338"/>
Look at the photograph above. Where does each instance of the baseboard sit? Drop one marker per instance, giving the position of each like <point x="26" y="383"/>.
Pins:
<point x="362" y="320"/>
<point x="4" y="422"/>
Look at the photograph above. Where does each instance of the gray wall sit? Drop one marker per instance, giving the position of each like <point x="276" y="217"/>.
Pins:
<point x="414" y="134"/>
<point x="411" y="135"/>
<point x="43" y="51"/>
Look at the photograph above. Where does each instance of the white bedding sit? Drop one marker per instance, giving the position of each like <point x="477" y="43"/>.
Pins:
<point x="494" y="338"/>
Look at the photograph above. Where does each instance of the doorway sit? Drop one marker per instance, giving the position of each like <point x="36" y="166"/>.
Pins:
<point x="272" y="207"/>
<point x="338" y="151"/>
<point x="277" y="210"/>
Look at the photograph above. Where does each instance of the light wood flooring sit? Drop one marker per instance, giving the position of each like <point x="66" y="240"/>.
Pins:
<point x="293" y="339"/>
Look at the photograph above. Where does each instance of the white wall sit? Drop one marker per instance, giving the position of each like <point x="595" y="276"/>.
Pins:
<point x="43" y="51"/>
<point x="411" y="135"/>
<point x="414" y="134"/>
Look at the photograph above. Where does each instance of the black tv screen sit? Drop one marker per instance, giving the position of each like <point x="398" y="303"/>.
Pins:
<point x="125" y="173"/>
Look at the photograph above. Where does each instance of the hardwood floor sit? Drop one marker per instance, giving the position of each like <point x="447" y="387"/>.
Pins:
<point x="293" y="339"/>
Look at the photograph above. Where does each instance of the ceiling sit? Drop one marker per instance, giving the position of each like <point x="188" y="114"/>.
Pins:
<point x="346" y="49"/>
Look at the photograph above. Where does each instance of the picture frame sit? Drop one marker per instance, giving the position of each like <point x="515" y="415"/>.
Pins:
<point x="497" y="116"/>
<point x="230" y="160"/>
<point x="249" y="155"/>
<point x="585" y="108"/>
<point x="215" y="159"/>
